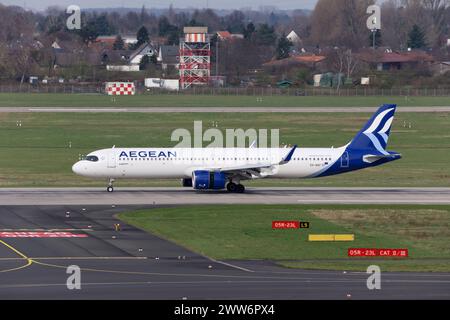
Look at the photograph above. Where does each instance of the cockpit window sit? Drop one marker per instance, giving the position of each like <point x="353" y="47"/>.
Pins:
<point x="91" y="158"/>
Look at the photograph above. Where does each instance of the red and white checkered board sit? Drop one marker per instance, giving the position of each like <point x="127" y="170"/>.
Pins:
<point x="120" y="88"/>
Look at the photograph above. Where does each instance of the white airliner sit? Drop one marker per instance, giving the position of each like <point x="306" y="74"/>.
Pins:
<point x="220" y="168"/>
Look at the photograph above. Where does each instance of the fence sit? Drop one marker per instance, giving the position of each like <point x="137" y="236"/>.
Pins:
<point x="233" y="91"/>
<point x="62" y="88"/>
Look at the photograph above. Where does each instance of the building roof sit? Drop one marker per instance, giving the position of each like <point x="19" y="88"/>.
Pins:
<point x="129" y="38"/>
<point x="309" y="58"/>
<point x="65" y="45"/>
<point x="395" y="57"/>
<point x="224" y="35"/>
<point x="141" y="50"/>
<point x="300" y="59"/>
<point x="106" y="39"/>
<point x="65" y="59"/>
<point x="195" y="29"/>
<point x="293" y="37"/>
<point x="115" y="56"/>
<point x="169" y="54"/>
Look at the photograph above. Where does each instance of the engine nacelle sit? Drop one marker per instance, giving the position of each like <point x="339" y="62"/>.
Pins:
<point x="204" y="179"/>
<point x="186" y="182"/>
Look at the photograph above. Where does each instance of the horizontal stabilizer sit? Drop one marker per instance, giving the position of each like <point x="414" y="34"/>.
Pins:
<point x="371" y="158"/>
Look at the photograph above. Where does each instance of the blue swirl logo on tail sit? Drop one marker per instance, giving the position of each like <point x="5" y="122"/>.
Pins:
<point x="375" y="133"/>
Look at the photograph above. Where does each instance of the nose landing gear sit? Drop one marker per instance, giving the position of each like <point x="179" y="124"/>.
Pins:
<point x="110" y="187"/>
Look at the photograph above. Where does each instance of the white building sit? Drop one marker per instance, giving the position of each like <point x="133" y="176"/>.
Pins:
<point x="294" y="38"/>
<point x="145" y="49"/>
<point x="168" y="84"/>
<point x="129" y="39"/>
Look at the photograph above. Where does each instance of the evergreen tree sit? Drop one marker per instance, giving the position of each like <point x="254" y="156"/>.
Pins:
<point x="193" y="23"/>
<point x="95" y="26"/>
<point x="142" y="36"/>
<point x="283" y="47"/>
<point x="153" y="59"/>
<point x="173" y="37"/>
<point x="144" y="62"/>
<point x="249" y="30"/>
<point x="416" y="38"/>
<point x="142" y="15"/>
<point x="164" y="26"/>
<point x="118" y="43"/>
<point x="265" y="35"/>
<point x="377" y="38"/>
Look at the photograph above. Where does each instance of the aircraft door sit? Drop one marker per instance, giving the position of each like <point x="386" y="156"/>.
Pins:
<point x="112" y="159"/>
<point x="344" y="160"/>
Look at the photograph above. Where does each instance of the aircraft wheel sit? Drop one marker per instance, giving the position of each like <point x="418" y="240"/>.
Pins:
<point x="231" y="187"/>
<point x="240" y="188"/>
<point x="110" y="189"/>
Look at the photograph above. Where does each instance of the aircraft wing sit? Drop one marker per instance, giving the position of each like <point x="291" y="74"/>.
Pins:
<point x="256" y="170"/>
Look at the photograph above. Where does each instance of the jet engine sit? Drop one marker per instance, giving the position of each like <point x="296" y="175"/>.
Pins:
<point x="204" y="179"/>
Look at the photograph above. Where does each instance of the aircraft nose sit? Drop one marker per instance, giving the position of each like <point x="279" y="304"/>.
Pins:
<point x="76" y="168"/>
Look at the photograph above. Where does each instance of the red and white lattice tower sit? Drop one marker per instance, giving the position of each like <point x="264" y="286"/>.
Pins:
<point x="195" y="57"/>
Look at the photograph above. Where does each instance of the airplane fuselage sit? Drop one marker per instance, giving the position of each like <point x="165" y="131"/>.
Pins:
<point x="166" y="163"/>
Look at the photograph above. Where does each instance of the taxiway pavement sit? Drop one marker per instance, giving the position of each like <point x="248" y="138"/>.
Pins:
<point x="177" y="196"/>
<point x="132" y="264"/>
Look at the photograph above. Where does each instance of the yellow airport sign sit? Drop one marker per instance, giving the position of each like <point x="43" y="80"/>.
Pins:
<point x="344" y="237"/>
<point x="331" y="237"/>
<point x="321" y="237"/>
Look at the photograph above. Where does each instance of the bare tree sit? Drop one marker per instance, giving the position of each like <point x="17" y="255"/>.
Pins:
<point x="394" y="27"/>
<point x="340" y="61"/>
<point x="239" y="56"/>
<point x="5" y="69"/>
<point x="350" y="62"/>
<point x="399" y="16"/>
<point x="207" y="18"/>
<point x="22" y="62"/>
<point x="436" y="11"/>
<point x="340" y="22"/>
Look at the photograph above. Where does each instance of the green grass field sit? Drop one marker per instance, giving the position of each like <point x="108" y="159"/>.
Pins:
<point x="99" y="100"/>
<point x="38" y="153"/>
<point x="245" y="232"/>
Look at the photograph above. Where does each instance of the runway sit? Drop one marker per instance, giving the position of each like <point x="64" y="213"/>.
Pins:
<point x="131" y="264"/>
<point x="222" y="110"/>
<point x="178" y="196"/>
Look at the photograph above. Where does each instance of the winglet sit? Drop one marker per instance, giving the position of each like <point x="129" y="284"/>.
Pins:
<point x="288" y="156"/>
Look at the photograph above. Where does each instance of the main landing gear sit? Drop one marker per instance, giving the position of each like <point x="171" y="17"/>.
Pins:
<point x="236" y="188"/>
<point x="110" y="187"/>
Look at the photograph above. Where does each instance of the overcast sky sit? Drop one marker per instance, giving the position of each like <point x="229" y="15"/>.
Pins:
<point x="216" y="4"/>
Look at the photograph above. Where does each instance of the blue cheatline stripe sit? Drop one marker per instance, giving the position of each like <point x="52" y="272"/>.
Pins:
<point x="324" y="169"/>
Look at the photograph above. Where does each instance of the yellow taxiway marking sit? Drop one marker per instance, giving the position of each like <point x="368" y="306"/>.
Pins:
<point x="30" y="261"/>
<point x="24" y="257"/>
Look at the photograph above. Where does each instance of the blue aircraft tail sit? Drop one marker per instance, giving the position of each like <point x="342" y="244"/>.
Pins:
<point x="375" y="133"/>
<point x="368" y="147"/>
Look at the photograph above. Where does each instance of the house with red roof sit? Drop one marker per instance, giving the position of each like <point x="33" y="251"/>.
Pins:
<point x="309" y="60"/>
<point x="226" y="35"/>
<point x="392" y="60"/>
